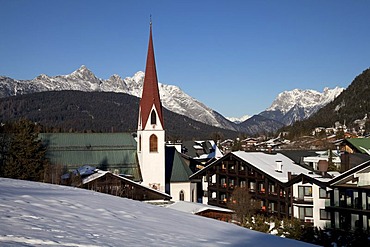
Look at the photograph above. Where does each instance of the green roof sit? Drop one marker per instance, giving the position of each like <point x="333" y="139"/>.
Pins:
<point x="176" y="168"/>
<point x="360" y="144"/>
<point x="115" y="152"/>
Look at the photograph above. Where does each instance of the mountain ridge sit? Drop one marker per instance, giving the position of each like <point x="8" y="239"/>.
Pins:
<point x="83" y="79"/>
<point x="288" y="107"/>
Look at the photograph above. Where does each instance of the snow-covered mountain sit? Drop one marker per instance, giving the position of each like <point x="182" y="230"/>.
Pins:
<point x="173" y="98"/>
<point x="288" y="107"/>
<point x="238" y="120"/>
<point x="297" y="104"/>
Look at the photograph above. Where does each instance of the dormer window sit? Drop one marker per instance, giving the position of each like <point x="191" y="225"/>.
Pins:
<point x="153" y="118"/>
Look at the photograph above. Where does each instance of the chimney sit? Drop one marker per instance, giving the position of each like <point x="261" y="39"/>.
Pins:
<point x="279" y="166"/>
<point x="323" y="166"/>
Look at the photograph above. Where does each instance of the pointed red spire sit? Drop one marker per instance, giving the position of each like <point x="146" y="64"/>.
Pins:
<point x="150" y="94"/>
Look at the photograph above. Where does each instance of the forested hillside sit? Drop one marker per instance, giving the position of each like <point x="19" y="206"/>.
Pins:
<point x="352" y="104"/>
<point x="76" y="111"/>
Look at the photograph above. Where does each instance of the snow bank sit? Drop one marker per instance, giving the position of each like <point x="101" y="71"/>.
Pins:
<point x="50" y="215"/>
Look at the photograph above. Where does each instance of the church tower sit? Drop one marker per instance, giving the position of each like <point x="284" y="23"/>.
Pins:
<point x="150" y="131"/>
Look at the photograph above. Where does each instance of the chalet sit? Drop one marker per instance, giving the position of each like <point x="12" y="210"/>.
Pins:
<point x="282" y="187"/>
<point x="349" y="207"/>
<point x="227" y="145"/>
<point x="109" y="183"/>
<point x="249" y="144"/>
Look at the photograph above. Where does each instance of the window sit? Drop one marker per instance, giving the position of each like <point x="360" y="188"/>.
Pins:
<point x="309" y="212"/>
<point x="231" y="168"/>
<point x="336" y="197"/>
<point x="153" y="118"/>
<point x="272" y="189"/>
<point x="322" y="193"/>
<point x="231" y="183"/>
<point x="305" y="212"/>
<point x="139" y="143"/>
<point x="223" y="182"/>
<point x="153" y="142"/>
<point x="355" y="221"/>
<point x="349" y="197"/>
<point x="324" y="215"/>
<point x="223" y="198"/>
<point x="243" y="183"/>
<point x="336" y="219"/>
<point x="182" y="195"/>
<point x="304" y="191"/>
<point x="214" y="195"/>
<point x="272" y="207"/>
<point x="223" y="166"/>
<point x="213" y="180"/>
<point x="261" y="188"/>
<point x="252" y="186"/>
<point x="365" y="222"/>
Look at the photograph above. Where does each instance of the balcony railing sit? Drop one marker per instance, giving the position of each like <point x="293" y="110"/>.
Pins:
<point x="303" y="200"/>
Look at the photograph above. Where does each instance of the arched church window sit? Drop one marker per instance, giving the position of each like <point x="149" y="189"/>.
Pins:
<point x="182" y="195"/>
<point x="153" y="118"/>
<point x="153" y="142"/>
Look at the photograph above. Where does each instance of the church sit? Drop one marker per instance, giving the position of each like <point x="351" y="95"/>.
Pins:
<point x="166" y="173"/>
<point x="146" y="159"/>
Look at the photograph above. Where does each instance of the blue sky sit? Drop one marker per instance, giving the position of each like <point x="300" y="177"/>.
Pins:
<point x="234" y="56"/>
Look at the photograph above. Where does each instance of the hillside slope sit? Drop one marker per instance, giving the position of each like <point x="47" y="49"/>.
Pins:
<point x="39" y="214"/>
<point x="64" y="111"/>
<point x="82" y="79"/>
<point x="351" y="105"/>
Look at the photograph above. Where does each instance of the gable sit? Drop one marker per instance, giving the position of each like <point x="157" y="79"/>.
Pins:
<point x="176" y="168"/>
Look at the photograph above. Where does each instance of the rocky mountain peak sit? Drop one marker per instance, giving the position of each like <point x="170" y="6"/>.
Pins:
<point x="84" y="74"/>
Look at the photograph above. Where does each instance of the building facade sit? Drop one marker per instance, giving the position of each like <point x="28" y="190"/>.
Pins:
<point x="350" y="200"/>
<point x="278" y="185"/>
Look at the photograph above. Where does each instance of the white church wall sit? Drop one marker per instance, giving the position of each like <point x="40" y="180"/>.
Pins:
<point x="189" y="189"/>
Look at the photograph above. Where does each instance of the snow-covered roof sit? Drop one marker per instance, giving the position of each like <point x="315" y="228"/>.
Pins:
<point x="194" y="208"/>
<point x="266" y="162"/>
<point x="100" y="173"/>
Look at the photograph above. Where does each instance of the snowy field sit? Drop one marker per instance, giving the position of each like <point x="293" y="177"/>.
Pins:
<point x="37" y="214"/>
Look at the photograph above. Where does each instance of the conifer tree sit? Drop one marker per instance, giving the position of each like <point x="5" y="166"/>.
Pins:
<point x="25" y="158"/>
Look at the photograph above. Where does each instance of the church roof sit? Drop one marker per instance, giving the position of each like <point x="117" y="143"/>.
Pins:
<point x="176" y="168"/>
<point x="150" y="95"/>
<point x="107" y="151"/>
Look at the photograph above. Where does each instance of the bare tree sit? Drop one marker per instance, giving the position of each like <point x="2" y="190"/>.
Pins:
<point x="243" y="204"/>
